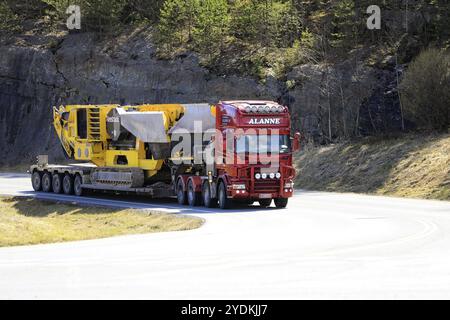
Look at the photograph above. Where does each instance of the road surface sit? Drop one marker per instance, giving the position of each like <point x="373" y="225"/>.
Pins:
<point x="322" y="246"/>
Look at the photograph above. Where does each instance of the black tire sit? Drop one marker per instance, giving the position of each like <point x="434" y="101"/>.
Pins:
<point x="281" y="203"/>
<point x="206" y="195"/>
<point x="68" y="184"/>
<point x="194" y="198"/>
<point x="181" y="194"/>
<point x="224" y="202"/>
<point x="77" y="182"/>
<point x="36" y="181"/>
<point x="265" y="203"/>
<point x="47" y="182"/>
<point x="57" y="183"/>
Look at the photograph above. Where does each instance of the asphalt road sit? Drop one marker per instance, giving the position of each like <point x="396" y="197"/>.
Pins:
<point x="323" y="246"/>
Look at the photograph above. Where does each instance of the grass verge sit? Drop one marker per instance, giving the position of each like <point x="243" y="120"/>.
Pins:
<point x="413" y="166"/>
<point x="25" y="221"/>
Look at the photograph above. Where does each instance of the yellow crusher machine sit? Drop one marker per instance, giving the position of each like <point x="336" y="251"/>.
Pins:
<point x="129" y="145"/>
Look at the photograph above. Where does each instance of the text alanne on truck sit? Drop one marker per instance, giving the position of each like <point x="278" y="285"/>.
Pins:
<point x="136" y="149"/>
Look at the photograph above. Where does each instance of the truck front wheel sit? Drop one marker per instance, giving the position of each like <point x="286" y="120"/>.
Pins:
<point x="47" y="182"/>
<point x="281" y="202"/>
<point x="36" y="181"/>
<point x="224" y="201"/>
<point x="206" y="193"/>
<point x="78" y="190"/>
<point x="265" y="203"/>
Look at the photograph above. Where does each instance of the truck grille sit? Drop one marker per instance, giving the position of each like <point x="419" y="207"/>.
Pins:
<point x="267" y="186"/>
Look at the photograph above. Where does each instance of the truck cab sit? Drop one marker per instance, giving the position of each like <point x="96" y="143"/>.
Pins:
<point x="260" y="168"/>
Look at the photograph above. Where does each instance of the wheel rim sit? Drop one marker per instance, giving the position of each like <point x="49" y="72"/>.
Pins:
<point x="221" y="196"/>
<point x="180" y="193"/>
<point x="206" y="197"/>
<point x="190" y="194"/>
<point x="46" y="182"/>
<point x="77" y="185"/>
<point x="37" y="181"/>
<point x="56" y="185"/>
<point x="66" y="185"/>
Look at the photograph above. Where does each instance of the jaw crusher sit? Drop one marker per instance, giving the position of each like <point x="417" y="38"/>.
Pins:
<point x="130" y="146"/>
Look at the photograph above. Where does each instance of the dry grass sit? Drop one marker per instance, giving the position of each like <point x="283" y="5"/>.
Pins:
<point x="29" y="221"/>
<point x="410" y="166"/>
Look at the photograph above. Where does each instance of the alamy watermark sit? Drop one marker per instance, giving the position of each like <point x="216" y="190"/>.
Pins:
<point x="374" y="21"/>
<point x="74" y="20"/>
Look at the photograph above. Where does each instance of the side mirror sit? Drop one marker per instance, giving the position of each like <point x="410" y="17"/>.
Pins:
<point x="296" y="142"/>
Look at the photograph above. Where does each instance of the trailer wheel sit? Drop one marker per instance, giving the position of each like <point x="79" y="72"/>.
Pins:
<point x="36" y="180"/>
<point x="281" y="203"/>
<point x="194" y="198"/>
<point x="47" y="182"/>
<point x="67" y="184"/>
<point x="181" y="194"/>
<point x="265" y="203"/>
<point x="78" y="190"/>
<point x="224" y="202"/>
<point x="206" y="194"/>
<point x="57" y="182"/>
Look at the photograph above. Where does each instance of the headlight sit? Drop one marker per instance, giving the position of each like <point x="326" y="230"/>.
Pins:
<point x="254" y="109"/>
<point x="278" y="175"/>
<point x="238" y="186"/>
<point x="264" y="175"/>
<point x="248" y="109"/>
<point x="288" y="185"/>
<point x="258" y="176"/>
<point x="261" y="109"/>
<point x="267" y="109"/>
<point x="272" y="175"/>
<point x="280" y="109"/>
<point x="274" y="109"/>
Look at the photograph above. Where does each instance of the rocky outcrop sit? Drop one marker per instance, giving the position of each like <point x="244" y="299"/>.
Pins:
<point x="345" y="99"/>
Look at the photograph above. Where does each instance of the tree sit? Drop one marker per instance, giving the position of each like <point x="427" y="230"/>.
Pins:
<point x="212" y="24"/>
<point x="176" y="22"/>
<point x="425" y="90"/>
<point x="9" y="21"/>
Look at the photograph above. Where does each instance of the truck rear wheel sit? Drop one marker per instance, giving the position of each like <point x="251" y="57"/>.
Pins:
<point x="36" y="181"/>
<point x="265" y="203"/>
<point x="47" y="182"/>
<point x="206" y="194"/>
<point x="68" y="184"/>
<point x="224" y="201"/>
<point x="281" y="203"/>
<point x="181" y="194"/>
<point x="194" y="198"/>
<point x="57" y="183"/>
<point x="78" y="190"/>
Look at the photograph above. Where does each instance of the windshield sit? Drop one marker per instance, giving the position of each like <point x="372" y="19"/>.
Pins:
<point x="263" y="144"/>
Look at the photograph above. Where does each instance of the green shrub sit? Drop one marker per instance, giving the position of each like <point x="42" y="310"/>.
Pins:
<point x="425" y="90"/>
<point x="9" y="21"/>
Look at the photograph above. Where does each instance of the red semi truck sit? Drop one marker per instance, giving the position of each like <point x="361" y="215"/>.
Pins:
<point x="242" y="152"/>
